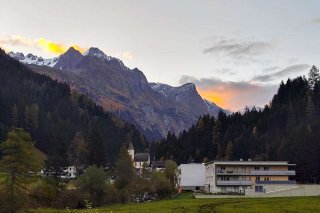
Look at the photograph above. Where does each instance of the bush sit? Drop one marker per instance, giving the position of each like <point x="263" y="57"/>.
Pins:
<point x="161" y="184"/>
<point x="111" y="194"/>
<point x="73" y="199"/>
<point x="94" y="182"/>
<point x="43" y="193"/>
<point x="20" y="201"/>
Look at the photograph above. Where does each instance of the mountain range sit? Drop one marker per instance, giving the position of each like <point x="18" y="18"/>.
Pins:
<point x="154" y="108"/>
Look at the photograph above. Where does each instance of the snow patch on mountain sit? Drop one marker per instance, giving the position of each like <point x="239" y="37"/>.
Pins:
<point x="51" y="62"/>
<point x="33" y="59"/>
<point x="93" y="51"/>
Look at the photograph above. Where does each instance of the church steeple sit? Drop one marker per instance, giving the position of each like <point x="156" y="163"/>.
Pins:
<point x="130" y="146"/>
<point x="131" y="150"/>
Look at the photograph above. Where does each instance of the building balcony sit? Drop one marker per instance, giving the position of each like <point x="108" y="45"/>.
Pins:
<point x="231" y="172"/>
<point x="234" y="183"/>
<point x="273" y="172"/>
<point x="257" y="172"/>
<point x="275" y="182"/>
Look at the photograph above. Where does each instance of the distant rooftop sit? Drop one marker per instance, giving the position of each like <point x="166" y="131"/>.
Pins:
<point x="141" y="157"/>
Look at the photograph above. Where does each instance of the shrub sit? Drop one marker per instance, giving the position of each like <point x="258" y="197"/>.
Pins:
<point x="43" y="193"/>
<point x="72" y="198"/>
<point x="111" y="194"/>
<point x="20" y="202"/>
<point x="161" y="184"/>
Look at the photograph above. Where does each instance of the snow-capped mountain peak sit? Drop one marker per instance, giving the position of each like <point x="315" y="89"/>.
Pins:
<point x="33" y="59"/>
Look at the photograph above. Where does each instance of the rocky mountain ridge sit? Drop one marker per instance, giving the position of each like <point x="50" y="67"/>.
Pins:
<point x="154" y="108"/>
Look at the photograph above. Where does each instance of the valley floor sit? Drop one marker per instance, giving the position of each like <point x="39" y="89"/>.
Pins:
<point x="187" y="203"/>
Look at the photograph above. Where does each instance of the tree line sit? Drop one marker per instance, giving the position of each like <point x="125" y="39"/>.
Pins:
<point x="23" y="186"/>
<point x="288" y="128"/>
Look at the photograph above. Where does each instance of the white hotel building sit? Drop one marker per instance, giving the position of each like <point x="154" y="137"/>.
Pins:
<point x="248" y="177"/>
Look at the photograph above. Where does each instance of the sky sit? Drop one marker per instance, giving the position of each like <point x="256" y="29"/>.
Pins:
<point x="236" y="52"/>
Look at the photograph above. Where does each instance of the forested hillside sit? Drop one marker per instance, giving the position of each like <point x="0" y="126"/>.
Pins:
<point x="154" y="109"/>
<point x="286" y="129"/>
<point x="52" y="114"/>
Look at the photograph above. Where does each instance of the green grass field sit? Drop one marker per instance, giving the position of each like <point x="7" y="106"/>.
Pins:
<point x="186" y="203"/>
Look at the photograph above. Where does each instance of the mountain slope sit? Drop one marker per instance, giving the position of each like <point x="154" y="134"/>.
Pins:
<point x="127" y="93"/>
<point x="188" y="97"/>
<point x="52" y="115"/>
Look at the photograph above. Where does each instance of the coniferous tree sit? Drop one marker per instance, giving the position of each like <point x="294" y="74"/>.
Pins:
<point x="125" y="173"/>
<point x="27" y="119"/>
<point x="52" y="114"/>
<point x="34" y="111"/>
<point x="94" y="182"/>
<point x="15" y="116"/>
<point x="311" y="115"/>
<point x="314" y="76"/>
<point x="286" y="129"/>
<point x="97" y="155"/>
<point x="78" y="151"/>
<point x="217" y="138"/>
<point x="18" y="161"/>
<point x="170" y="171"/>
<point x="229" y="151"/>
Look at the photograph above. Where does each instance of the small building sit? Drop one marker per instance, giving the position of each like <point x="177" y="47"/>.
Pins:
<point x="139" y="160"/>
<point x="158" y="166"/>
<point x="69" y="172"/>
<point x="191" y="176"/>
<point x="248" y="177"/>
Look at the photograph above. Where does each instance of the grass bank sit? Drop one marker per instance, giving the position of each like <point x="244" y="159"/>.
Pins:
<point x="186" y="203"/>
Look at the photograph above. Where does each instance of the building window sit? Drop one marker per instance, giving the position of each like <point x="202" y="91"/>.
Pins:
<point x="224" y="178"/>
<point x="256" y="168"/>
<point x="258" y="188"/>
<point x="266" y="168"/>
<point x="257" y="178"/>
<point x="267" y="178"/>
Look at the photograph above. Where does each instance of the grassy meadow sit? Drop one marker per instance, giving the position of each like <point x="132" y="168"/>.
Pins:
<point x="186" y="203"/>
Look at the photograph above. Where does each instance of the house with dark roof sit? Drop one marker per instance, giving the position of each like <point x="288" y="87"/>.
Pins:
<point x="157" y="165"/>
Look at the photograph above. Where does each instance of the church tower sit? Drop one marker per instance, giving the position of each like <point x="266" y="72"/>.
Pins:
<point x="131" y="151"/>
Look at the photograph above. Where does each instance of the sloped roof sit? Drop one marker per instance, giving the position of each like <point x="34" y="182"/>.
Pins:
<point x="141" y="156"/>
<point x="158" y="164"/>
<point x="130" y="147"/>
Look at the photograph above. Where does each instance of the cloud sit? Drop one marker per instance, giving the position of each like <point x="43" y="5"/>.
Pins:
<point x="7" y="50"/>
<point x="270" y="69"/>
<point x="224" y="71"/>
<point x="282" y="73"/>
<point x="232" y="95"/>
<point x="127" y="55"/>
<point x="315" y="21"/>
<point x="238" y="49"/>
<point x="41" y="43"/>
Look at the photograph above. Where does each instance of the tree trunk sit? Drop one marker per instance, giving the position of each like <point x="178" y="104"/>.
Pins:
<point x="11" y="192"/>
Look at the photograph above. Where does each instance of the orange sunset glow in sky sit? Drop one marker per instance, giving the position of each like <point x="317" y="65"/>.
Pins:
<point x="235" y="52"/>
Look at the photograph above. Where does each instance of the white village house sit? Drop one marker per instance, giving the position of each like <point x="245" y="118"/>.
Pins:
<point x="248" y="177"/>
<point x="70" y="172"/>
<point x="191" y="176"/>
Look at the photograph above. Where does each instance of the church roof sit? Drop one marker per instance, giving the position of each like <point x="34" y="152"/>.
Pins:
<point x="141" y="157"/>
